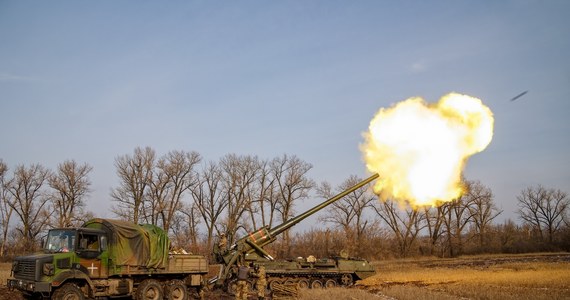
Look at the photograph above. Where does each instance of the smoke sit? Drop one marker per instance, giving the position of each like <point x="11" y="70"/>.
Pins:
<point x="420" y="149"/>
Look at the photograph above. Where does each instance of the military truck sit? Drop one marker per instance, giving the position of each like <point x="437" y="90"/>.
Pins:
<point x="315" y="273"/>
<point x="108" y="258"/>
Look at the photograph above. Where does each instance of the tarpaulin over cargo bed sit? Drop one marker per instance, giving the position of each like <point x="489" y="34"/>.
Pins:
<point x="134" y="245"/>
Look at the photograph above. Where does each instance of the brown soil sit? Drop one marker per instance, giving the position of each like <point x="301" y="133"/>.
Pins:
<point x="5" y="293"/>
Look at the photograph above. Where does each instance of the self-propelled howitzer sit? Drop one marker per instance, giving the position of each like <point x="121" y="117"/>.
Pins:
<point x="254" y="242"/>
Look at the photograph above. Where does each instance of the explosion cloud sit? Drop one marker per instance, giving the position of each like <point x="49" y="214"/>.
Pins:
<point x="420" y="149"/>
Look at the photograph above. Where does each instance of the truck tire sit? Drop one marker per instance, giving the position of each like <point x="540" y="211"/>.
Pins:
<point x="176" y="290"/>
<point x="68" y="291"/>
<point x="149" y="289"/>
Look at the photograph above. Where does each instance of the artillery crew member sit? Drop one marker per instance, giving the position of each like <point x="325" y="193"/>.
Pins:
<point x="261" y="282"/>
<point x="223" y="243"/>
<point x="242" y="289"/>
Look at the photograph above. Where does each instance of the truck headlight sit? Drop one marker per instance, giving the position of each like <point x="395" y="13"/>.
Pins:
<point x="48" y="269"/>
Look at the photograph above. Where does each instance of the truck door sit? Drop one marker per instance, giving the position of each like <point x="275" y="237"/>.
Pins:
<point x="92" y="252"/>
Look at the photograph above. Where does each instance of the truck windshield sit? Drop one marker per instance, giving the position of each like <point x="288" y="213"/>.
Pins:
<point x="59" y="240"/>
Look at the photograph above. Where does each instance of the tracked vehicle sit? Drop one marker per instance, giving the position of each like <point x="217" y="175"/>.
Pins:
<point x="317" y="273"/>
<point x="310" y="272"/>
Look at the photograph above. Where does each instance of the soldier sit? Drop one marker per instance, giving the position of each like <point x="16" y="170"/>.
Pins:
<point x="222" y="244"/>
<point x="261" y="282"/>
<point x="202" y="292"/>
<point x="242" y="290"/>
<point x="63" y="242"/>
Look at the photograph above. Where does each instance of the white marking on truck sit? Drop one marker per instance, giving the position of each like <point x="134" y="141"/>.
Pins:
<point x="92" y="268"/>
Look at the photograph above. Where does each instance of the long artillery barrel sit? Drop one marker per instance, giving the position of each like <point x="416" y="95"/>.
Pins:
<point x="290" y="223"/>
<point x="254" y="242"/>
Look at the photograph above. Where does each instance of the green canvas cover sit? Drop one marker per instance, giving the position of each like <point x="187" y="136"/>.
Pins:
<point x="134" y="245"/>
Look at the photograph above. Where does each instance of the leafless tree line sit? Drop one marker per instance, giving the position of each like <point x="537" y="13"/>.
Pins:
<point x="196" y="200"/>
<point x="235" y="195"/>
<point x="463" y="226"/>
<point x="35" y="198"/>
<point x="360" y="216"/>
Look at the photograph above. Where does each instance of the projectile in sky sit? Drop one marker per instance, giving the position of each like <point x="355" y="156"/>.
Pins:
<point x="519" y="95"/>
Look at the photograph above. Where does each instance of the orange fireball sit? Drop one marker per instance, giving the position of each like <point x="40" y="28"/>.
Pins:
<point x="420" y="149"/>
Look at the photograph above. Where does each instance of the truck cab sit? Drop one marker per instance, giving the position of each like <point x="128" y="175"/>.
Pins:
<point x="68" y="254"/>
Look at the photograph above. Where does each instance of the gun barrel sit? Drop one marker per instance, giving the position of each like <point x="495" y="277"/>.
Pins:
<point x="290" y="223"/>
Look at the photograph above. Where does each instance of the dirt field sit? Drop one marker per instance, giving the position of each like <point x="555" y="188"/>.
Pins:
<point x="520" y="277"/>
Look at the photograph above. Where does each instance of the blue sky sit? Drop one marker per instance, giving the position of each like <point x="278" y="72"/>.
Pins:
<point x="92" y="80"/>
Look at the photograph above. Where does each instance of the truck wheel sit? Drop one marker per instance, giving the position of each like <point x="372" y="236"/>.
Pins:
<point x="149" y="289"/>
<point x="68" y="291"/>
<point x="176" y="290"/>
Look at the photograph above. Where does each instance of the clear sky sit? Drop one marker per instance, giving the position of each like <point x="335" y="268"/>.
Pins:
<point x="92" y="80"/>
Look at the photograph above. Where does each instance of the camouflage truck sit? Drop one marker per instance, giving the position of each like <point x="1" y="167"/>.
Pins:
<point x="108" y="258"/>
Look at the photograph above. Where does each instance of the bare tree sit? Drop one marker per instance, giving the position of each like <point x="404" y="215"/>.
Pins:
<point x="191" y="216"/>
<point x="30" y="202"/>
<point x="184" y="228"/>
<point x="209" y="199"/>
<point x="507" y="235"/>
<point x="173" y="177"/>
<point x="349" y="212"/>
<point x="239" y="174"/>
<point x="544" y="210"/>
<point x="154" y="201"/>
<point x="456" y="217"/>
<point x="434" y="221"/>
<point x="406" y="224"/>
<point x="290" y="174"/>
<point x="5" y="209"/>
<point x="71" y="185"/>
<point x="266" y="198"/>
<point x="481" y="208"/>
<point x="135" y="174"/>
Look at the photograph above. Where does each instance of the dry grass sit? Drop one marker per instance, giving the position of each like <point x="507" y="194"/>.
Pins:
<point x="337" y="294"/>
<point x="479" y="277"/>
<point x="517" y="277"/>
<point x="4" y="272"/>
